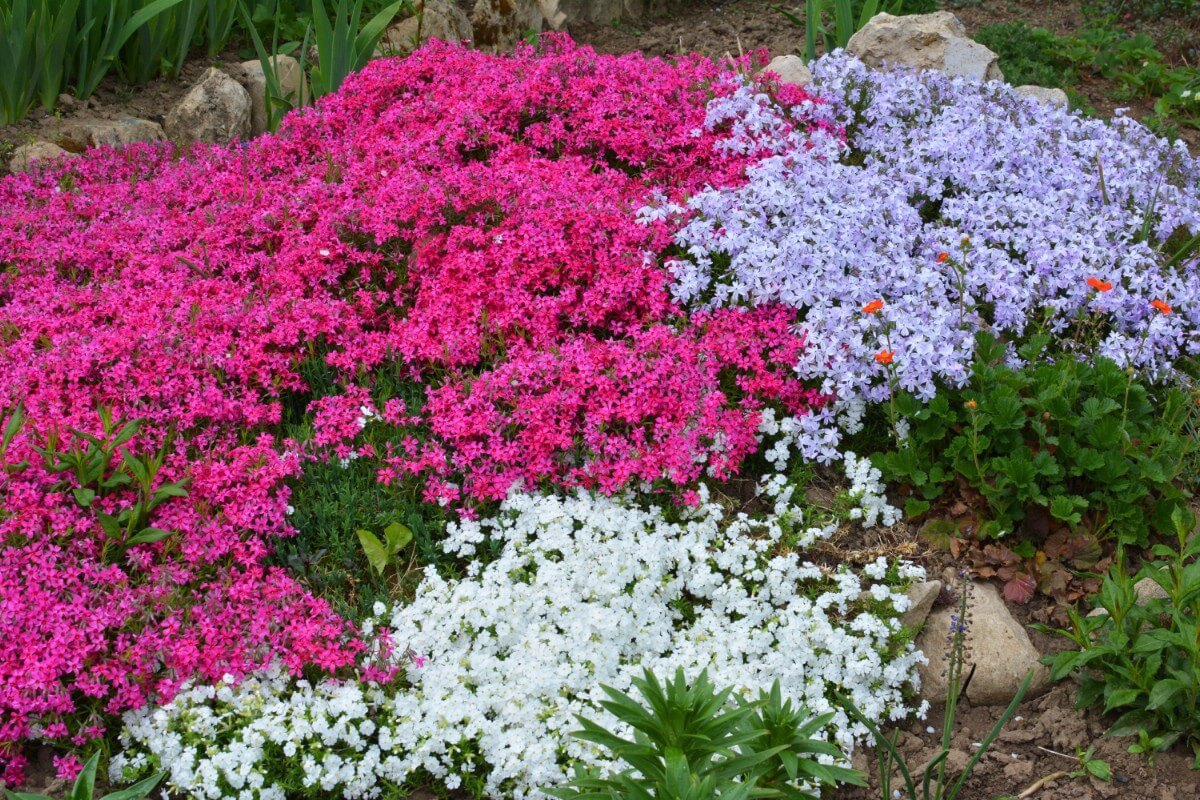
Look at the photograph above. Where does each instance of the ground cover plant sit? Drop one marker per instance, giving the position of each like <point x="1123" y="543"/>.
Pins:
<point x="516" y="319"/>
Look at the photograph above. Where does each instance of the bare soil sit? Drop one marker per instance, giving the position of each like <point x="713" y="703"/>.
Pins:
<point x="1039" y="742"/>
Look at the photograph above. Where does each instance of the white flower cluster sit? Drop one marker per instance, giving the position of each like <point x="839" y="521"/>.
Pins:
<point x="254" y="739"/>
<point x="867" y="491"/>
<point x="587" y="590"/>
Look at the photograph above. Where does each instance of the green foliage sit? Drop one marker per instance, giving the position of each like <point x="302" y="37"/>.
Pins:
<point x="1087" y="444"/>
<point x="1092" y="767"/>
<point x="85" y="786"/>
<point x="935" y="783"/>
<point x="332" y="501"/>
<point x="50" y="46"/>
<point x="277" y="101"/>
<point x="160" y="46"/>
<point x="691" y="743"/>
<point x="383" y="554"/>
<point x="344" y="44"/>
<point x="1141" y="660"/>
<point x="219" y="24"/>
<point x="100" y="466"/>
<point x="1028" y="55"/>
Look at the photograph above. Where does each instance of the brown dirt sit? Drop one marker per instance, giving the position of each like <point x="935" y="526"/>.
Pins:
<point x="1040" y="741"/>
<point x="113" y="100"/>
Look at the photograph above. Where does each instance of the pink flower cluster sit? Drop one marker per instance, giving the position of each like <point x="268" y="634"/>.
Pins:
<point x="463" y="220"/>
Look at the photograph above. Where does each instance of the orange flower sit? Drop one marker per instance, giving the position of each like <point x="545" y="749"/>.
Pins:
<point x="943" y="257"/>
<point x="1099" y="285"/>
<point x="1161" y="306"/>
<point x="885" y="356"/>
<point x="972" y="404"/>
<point x="873" y="307"/>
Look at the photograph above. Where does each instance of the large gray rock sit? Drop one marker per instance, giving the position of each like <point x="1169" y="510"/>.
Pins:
<point x="216" y="110"/>
<point x="1054" y="97"/>
<point x="253" y="79"/>
<point x="790" y="69"/>
<point x="926" y="41"/>
<point x="28" y="157"/>
<point x="997" y="647"/>
<point x="435" y="19"/>
<point x="83" y="134"/>
<point x="498" y="25"/>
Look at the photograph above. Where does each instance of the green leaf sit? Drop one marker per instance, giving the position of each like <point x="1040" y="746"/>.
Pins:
<point x="398" y="536"/>
<point x="109" y="524"/>
<point x="24" y="796"/>
<point x="1063" y="507"/>
<point x="1120" y="697"/>
<point x="915" y="507"/>
<point x="1099" y="769"/>
<point x="169" y="490"/>
<point x="85" y="784"/>
<point x="148" y="536"/>
<point x="374" y="549"/>
<point x="84" y="497"/>
<point x="138" y="790"/>
<point x="1164" y="692"/>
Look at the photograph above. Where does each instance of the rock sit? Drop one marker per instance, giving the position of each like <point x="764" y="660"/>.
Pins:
<point x="922" y="596"/>
<point x="252" y="78"/>
<point x="435" y="19"/>
<point x="498" y="25"/>
<point x="83" y="134"/>
<point x="216" y="110"/>
<point x="28" y="157"/>
<point x="997" y="646"/>
<point x="1053" y="97"/>
<point x="554" y="18"/>
<point x="791" y="70"/>
<point x="926" y="41"/>
<point x="1146" y="590"/>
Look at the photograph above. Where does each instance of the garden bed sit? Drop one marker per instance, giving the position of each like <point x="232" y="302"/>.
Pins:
<point x="355" y="459"/>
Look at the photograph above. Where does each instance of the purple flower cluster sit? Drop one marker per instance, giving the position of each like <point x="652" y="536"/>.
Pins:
<point x="932" y="208"/>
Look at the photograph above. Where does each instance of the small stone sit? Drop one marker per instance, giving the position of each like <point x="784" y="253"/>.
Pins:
<point x="1052" y="97"/>
<point x="925" y="41"/>
<point x="435" y="19"/>
<point x="498" y="25"/>
<point x="1147" y="590"/>
<point x="791" y="70"/>
<point x="84" y="134"/>
<point x="28" y="157"/>
<point x="216" y="110"/>
<point x="997" y="647"/>
<point x="922" y="597"/>
<point x="252" y="78"/>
